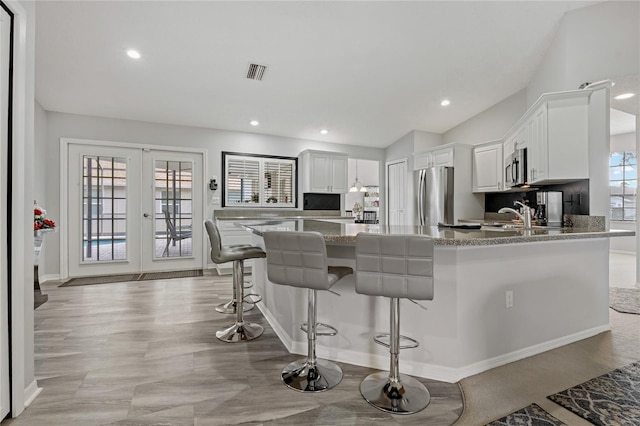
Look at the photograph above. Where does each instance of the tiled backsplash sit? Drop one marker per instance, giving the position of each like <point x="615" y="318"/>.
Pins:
<point x="575" y="197"/>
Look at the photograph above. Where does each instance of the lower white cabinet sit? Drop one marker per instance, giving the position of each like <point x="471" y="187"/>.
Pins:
<point x="232" y="235"/>
<point x="488" y="167"/>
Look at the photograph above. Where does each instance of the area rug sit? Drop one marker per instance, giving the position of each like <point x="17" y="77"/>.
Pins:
<point x="531" y="415"/>
<point x="625" y="300"/>
<point x="106" y="279"/>
<point x="612" y="399"/>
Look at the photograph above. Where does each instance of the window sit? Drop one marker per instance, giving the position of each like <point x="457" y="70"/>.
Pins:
<point x="622" y="185"/>
<point x="252" y="180"/>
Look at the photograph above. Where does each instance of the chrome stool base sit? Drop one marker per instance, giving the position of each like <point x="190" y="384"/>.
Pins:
<point x="231" y="305"/>
<point x="299" y="376"/>
<point x="240" y="332"/>
<point x="407" y="396"/>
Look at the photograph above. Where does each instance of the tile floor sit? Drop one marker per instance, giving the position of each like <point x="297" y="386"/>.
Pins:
<point x="144" y="353"/>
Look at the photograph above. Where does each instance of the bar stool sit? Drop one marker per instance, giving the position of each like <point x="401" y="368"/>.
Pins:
<point x="299" y="259"/>
<point x="240" y="330"/>
<point x="394" y="266"/>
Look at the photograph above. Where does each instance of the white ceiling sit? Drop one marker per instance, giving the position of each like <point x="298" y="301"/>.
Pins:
<point x="368" y="71"/>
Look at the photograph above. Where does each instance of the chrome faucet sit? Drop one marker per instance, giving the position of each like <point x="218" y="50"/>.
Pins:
<point x="525" y="216"/>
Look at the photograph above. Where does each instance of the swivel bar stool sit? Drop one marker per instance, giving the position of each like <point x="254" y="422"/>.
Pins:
<point x="299" y="259"/>
<point x="394" y="266"/>
<point x="241" y="330"/>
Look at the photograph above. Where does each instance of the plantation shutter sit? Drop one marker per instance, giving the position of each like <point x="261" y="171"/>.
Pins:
<point x="243" y="181"/>
<point x="278" y="183"/>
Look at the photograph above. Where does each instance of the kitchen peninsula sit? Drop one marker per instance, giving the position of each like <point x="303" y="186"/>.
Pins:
<point x="500" y="295"/>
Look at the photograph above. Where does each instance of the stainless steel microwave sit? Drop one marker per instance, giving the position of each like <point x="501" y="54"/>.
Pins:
<point x="515" y="170"/>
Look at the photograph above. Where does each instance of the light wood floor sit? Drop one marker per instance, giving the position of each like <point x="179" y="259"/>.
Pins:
<point x="145" y="353"/>
<point x="141" y="353"/>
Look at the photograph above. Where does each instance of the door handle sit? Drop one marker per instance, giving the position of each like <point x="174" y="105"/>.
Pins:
<point x="146" y="215"/>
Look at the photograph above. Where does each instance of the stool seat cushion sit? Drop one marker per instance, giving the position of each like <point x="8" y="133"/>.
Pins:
<point x="223" y="254"/>
<point x="394" y="266"/>
<point x="229" y="253"/>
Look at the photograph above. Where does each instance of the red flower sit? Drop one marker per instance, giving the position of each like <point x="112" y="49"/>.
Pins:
<point x="37" y="212"/>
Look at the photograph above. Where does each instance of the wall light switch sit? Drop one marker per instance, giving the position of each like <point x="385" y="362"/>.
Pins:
<point x="508" y="299"/>
<point x="215" y="200"/>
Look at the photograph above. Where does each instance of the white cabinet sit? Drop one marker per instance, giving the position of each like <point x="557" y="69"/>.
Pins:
<point x="232" y="235"/>
<point x="434" y="158"/>
<point x="324" y="172"/>
<point x="488" y="167"/>
<point x="559" y="144"/>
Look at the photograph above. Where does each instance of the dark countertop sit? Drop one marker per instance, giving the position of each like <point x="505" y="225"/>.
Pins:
<point x="345" y="233"/>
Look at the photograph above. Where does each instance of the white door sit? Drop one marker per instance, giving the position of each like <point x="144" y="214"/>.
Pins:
<point x="132" y="210"/>
<point x="396" y="193"/>
<point x="5" y="76"/>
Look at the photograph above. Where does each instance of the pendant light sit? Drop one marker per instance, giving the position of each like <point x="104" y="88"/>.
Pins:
<point x="357" y="186"/>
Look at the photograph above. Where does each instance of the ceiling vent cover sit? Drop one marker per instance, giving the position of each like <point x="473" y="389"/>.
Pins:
<point x="256" y="72"/>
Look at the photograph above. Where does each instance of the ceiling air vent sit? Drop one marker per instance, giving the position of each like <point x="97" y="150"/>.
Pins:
<point x="256" y="72"/>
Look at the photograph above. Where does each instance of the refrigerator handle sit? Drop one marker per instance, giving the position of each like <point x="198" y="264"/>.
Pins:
<point x="421" y="198"/>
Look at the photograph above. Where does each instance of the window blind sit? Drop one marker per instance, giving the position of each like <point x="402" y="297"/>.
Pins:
<point x="257" y="181"/>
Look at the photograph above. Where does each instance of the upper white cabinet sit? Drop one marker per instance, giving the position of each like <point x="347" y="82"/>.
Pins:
<point x="488" y="167"/>
<point x="559" y="141"/>
<point x="324" y="172"/>
<point x="434" y="158"/>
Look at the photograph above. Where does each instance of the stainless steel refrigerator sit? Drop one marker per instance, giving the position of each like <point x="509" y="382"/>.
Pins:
<point x="434" y="196"/>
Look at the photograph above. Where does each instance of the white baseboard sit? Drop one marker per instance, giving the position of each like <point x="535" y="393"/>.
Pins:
<point x="31" y="392"/>
<point x="280" y="332"/>
<point x="429" y="371"/>
<point x="632" y="253"/>
<point x="49" y="277"/>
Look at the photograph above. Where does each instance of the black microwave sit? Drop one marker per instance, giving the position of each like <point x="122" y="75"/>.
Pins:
<point x="515" y="169"/>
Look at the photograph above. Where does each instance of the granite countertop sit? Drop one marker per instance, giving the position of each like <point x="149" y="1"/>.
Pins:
<point x="277" y="214"/>
<point x="345" y="233"/>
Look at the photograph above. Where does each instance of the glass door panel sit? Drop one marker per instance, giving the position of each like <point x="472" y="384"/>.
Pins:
<point x="104" y="195"/>
<point x="173" y="189"/>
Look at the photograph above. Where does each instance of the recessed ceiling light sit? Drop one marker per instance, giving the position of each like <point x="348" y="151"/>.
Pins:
<point x="132" y="53"/>
<point x="324" y="131"/>
<point x="624" y="96"/>
<point x="254" y="122"/>
<point x="445" y="102"/>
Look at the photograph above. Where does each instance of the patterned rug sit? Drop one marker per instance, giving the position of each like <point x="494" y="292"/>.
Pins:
<point x="105" y="279"/>
<point x="625" y="300"/>
<point x="531" y="415"/>
<point x="612" y="399"/>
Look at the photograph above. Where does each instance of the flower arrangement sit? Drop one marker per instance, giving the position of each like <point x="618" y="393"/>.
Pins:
<point x="39" y="219"/>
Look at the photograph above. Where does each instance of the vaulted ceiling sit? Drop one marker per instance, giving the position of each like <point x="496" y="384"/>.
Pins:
<point x="367" y="71"/>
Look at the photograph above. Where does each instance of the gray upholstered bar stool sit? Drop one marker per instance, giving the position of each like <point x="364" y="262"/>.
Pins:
<point x="299" y="259"/>
<point x="394" y="266"/>
<point x="240" y="330"/>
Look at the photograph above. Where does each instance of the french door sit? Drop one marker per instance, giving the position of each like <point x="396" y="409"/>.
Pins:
<point x="133" y="210"/>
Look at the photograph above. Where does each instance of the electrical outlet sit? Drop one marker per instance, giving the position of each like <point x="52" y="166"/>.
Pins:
<point x="508" y="299"/>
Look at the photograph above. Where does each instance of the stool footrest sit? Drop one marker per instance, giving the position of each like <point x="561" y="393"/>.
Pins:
<point x="256" y="298"/>
<point x="383" y="339"/>
<point x="247" y="284"/>
<point x="322" y="329"/>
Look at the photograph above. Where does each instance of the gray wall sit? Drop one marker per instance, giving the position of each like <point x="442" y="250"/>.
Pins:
<point x="60" y="125"/>
<point x="491" y="124"/>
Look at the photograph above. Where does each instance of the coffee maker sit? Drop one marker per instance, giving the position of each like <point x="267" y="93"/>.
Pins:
<point x="549" y="211"/>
